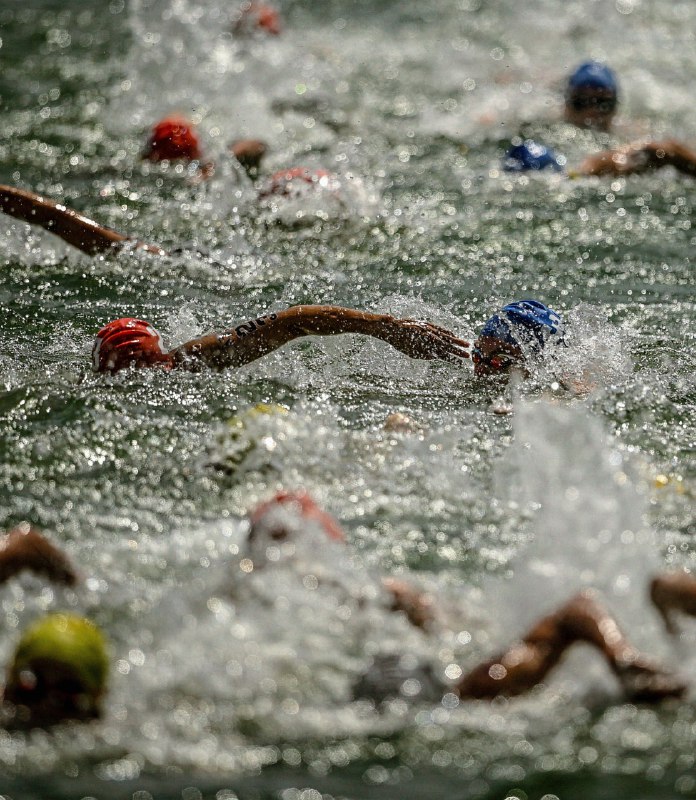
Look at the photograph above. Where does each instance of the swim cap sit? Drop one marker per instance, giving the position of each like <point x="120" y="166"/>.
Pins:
<point x="263" y="521"/>
<point x="530" y="156"/>
<point x="593" y="75"/>
<point x="72" y="641"/>
<point x="524" y="322"/>
<point x="173" y="138"/>
<point x="253" y="16"/>
<point x="127" y="341"/>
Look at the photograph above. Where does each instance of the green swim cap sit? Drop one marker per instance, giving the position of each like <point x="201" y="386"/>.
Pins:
<point x="67" y="639"/>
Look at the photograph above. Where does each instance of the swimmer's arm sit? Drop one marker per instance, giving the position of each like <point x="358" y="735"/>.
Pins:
<point x="73" y="228"/>
<point x="24" y="548"/>
<point x="674" y="591"/>
<point x="634" y="159"/>
<point x="263" y="335"/>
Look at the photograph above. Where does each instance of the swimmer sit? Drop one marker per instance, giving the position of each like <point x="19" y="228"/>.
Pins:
<point x="253" y="17"/>
<point x="520" y="331"/>
<point x="59" y="668"/>
<point x="527" y="662"/>
<point x="132" y="342"/>
<point x="287" y="514"/>
<point x="591" y="97"/>
<point x="174" y="138"/>
<point x="591" y="101"/>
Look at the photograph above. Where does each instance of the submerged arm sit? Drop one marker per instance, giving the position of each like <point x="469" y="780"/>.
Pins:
<point x="73" y="228"/>
<point x="257" y="337"/>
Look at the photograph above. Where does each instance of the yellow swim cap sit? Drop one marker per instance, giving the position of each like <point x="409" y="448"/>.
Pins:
<point x="67" y="639"/>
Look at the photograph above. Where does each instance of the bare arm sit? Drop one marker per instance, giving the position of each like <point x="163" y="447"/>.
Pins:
<point x="634" y="159"/>
<point x="257" y="337"/>
<point x="674" y="591"/>
<point x="527" y="662"/>
<point x="25" y="548"/>
<point x="73" y="228"/>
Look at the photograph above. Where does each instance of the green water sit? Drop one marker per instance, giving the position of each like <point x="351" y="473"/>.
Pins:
<point x="118" y="470"/>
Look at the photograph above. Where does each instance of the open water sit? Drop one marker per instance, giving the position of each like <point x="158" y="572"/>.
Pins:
<point x="229" y="684"/>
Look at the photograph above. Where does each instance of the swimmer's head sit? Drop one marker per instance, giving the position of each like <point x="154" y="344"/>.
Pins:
<point x="530" y="155"/>
<point x="592" y="96"/>
<point x="521" y="328"/>
<point x="125" y="342"/>
<point x="58" y="671"/>
<point x="249" y="153"/>
<point x="287" y="516"/>
<point x="254" y="17"/>
<point x="173" y="138"/>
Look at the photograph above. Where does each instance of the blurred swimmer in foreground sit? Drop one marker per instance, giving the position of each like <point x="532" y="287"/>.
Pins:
<point x="132" y="342"/>
<point x="520" y="332"/>
<point x="59" y="668"/>
<point x="527" y="662"/>
<point x="174" y="138"/>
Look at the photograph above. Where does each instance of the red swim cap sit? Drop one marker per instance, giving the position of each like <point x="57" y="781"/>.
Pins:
<point x="254" y="16"/>
<point x="128" y="341"/>
<point x="280" y="183"/>
<point x="173" y="138"/>
<point x="305" y="508"/>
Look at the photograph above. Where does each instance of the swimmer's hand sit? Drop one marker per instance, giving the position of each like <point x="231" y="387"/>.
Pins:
<point x="25" y="548"/>
<point x="424" y="340"/>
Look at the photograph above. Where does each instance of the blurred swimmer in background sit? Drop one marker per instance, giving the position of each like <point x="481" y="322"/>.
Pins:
<point x="591" y="102"/>
<point x="254" y="18"/>
<point x="174" y="138"/>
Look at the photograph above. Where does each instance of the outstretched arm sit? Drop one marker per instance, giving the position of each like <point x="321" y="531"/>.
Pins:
<point x="526" y="663"/>
<point x="674" y="591"/>
<point x="257" y="337"/>
<point x="636" y="158"/>
<point x="25" y="548"/>
<point x="73" y="228"/>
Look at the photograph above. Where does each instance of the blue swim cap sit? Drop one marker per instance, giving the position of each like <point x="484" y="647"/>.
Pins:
<point x="531" y="156"/>
<point x="593" y="75"/>
<point x="524" y="322"/>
